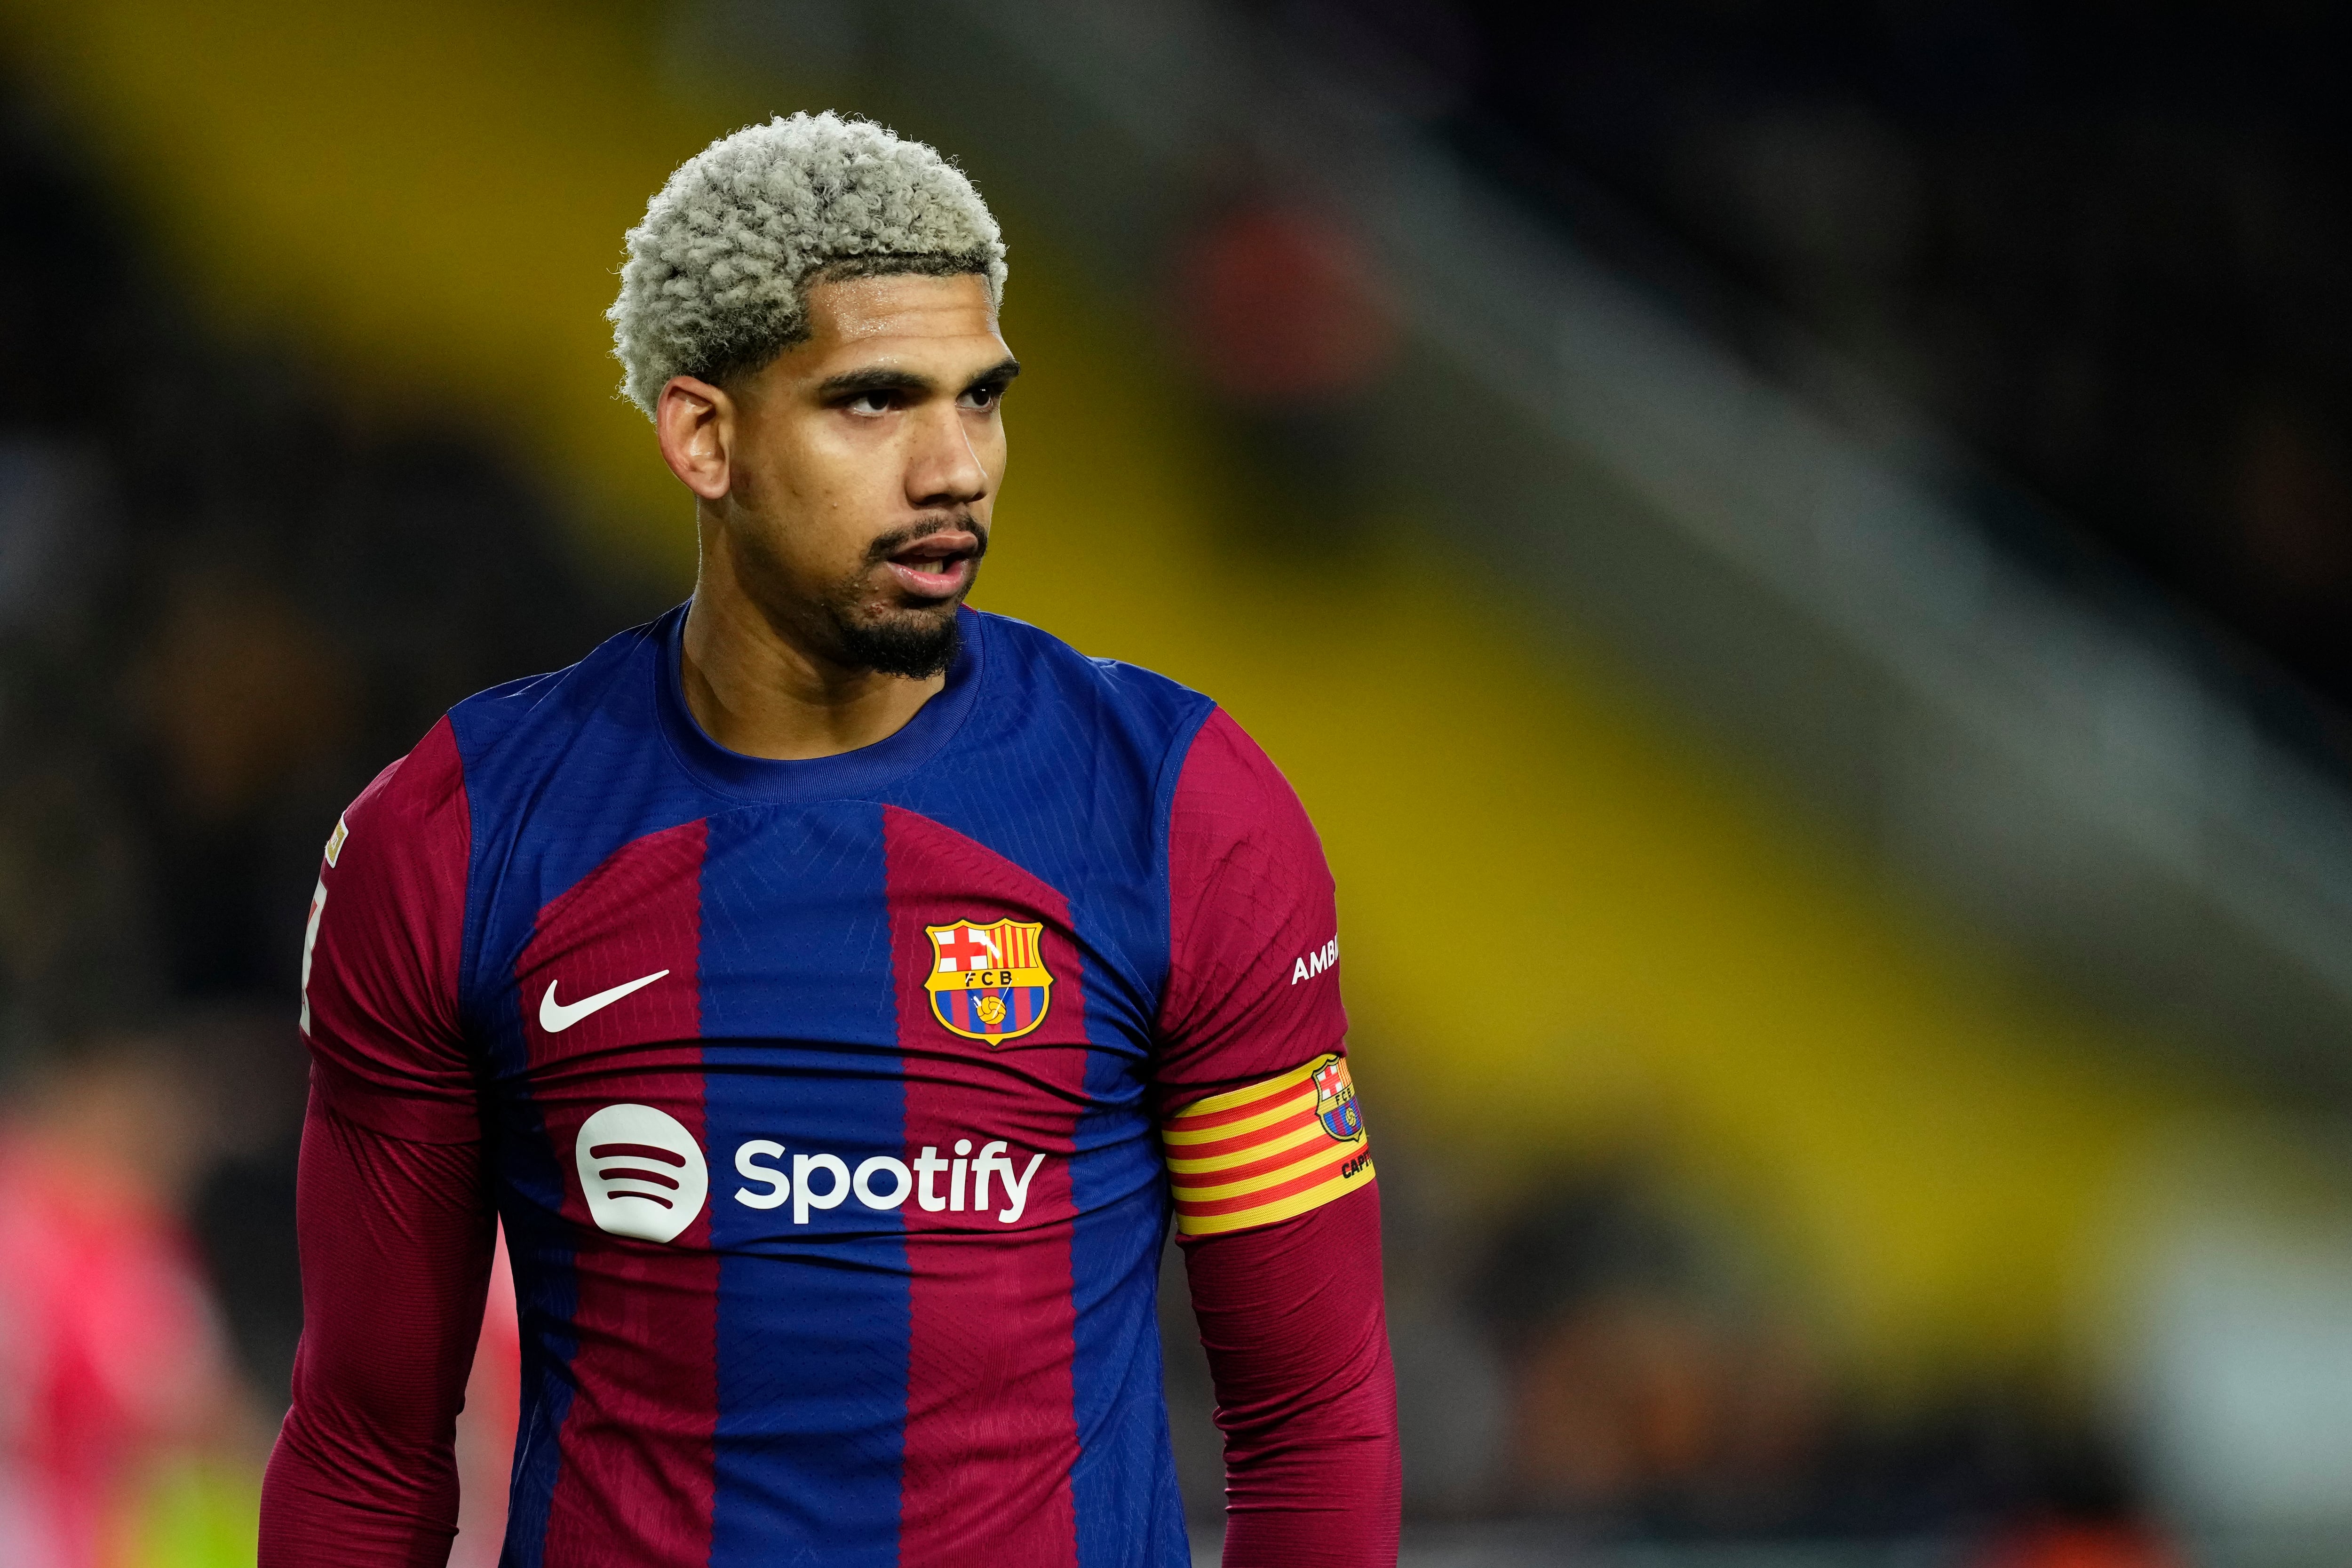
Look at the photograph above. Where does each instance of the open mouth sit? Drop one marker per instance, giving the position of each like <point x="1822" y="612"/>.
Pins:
<point x="938" y="566"/>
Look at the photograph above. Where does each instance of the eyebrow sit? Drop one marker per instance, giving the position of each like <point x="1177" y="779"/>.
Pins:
<point x="881" y="378"/>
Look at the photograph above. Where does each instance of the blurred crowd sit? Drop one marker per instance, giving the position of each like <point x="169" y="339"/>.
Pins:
<point x="2103" y="245"/>
<point x="224" y="603"/>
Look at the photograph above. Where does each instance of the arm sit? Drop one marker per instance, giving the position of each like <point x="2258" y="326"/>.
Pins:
<point x="1276" y="1209"/>
<point x="396" y="1240"/>
<point x="393" y="1209"/>
<point x="1298" y="1347"/>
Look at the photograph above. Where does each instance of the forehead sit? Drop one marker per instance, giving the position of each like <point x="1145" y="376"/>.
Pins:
<point x="872" y="320"/>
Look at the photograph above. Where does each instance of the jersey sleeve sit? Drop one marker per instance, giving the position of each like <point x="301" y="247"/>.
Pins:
<point x="1271" y="1171"/>
<point x="392" y="1210"/>
<point x="380" y="953"/>
<point x="1259" y="1117"/>
<point x="396" y="1239"/>
<point x="1291" y="1319"/>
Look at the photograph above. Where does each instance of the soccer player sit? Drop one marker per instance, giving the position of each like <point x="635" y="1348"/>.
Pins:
<point x="833" y="990"/>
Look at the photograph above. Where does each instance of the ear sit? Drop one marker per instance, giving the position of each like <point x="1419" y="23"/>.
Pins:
<point x="696" y="422"/>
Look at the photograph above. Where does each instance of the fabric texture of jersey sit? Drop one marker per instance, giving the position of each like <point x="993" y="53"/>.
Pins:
<point x="820" y="1100"/>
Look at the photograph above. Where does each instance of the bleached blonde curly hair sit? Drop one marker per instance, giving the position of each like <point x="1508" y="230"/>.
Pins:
<point x="718" y="272"/>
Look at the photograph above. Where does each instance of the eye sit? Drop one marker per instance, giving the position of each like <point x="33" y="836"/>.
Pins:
<point x="876" y="402"/>
<point x="984" y="396"/>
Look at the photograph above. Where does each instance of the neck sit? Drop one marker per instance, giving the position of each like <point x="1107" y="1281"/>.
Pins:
<point x="756" y="688"/>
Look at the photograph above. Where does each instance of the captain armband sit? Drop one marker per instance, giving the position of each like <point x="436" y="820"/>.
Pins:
<point x="1252" y="1156"/>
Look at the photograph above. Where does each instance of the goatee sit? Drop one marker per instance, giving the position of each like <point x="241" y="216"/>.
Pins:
<point x="917" y="643"/>
<point x="913" y="644"/>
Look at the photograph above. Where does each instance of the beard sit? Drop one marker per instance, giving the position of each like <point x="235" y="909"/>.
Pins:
<point x="914" y="642"/>
<point x="917" y="643"/>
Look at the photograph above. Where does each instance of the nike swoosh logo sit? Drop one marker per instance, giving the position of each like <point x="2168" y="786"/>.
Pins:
<point x="557" y="1017"/>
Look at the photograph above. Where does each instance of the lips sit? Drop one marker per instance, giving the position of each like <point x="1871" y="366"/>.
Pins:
<point x="936" y="566"/>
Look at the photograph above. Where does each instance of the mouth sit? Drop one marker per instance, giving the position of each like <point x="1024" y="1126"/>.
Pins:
<point x="938" y="566"/>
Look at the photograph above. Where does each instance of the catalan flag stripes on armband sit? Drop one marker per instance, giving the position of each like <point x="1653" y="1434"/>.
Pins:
<point x="1256" y="1155"/>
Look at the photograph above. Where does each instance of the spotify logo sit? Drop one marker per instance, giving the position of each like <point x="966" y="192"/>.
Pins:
<point x="642" y="1170"/>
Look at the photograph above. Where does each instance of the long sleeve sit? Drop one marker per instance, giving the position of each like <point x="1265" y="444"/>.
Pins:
<point x="393" y="1210"/>
<point x="1271" y="1171"/>
<point x="1298" y="1347"/>
<point x="396" y="1242"/>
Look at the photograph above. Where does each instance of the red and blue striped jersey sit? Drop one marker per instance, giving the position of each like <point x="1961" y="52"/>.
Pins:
<point x="821" y="1100"/>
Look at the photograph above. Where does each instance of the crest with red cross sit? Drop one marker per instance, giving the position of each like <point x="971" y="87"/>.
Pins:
<point x="988" y="982"/>
<point x="1335" y="1100"/>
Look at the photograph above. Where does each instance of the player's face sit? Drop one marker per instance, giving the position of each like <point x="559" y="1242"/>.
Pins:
<point x="868" y="464"/>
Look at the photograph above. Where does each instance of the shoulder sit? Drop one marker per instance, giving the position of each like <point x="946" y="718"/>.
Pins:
<point x="1223" y="763"/>
<point x="527" y="714"/>
<point x="426" y="800"/>
<point x="1213" y="777"/>
<point x="417" y="804"/>
<point x="1043" y="667"/>
<point x="1232" y="813"/>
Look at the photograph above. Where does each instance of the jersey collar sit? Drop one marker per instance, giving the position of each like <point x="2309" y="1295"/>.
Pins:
<point x="851" y="775"/>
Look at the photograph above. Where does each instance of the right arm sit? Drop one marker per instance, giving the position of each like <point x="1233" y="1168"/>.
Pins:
<point x="393" y="1208"/>
<point x="396" y="1242"/>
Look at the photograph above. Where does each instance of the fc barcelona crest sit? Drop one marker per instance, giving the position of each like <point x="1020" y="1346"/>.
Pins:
<point x="1335" y="1101"/>
<point x="989" y="983"/>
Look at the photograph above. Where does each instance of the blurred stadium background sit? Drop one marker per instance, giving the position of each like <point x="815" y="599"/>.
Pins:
<point x="1799" y="554"/>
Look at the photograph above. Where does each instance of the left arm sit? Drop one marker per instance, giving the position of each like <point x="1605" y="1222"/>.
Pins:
<point x="1276" y="1205"/>
<point x="1298" y="1348"/>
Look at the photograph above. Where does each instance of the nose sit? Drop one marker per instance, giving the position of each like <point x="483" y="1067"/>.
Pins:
<point x="943" y="468"/>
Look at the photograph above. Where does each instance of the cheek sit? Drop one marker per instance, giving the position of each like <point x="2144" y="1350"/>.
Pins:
<point x="850" y="470"/>
<point x="809" y="499"/>
<point x="988" y="446"/>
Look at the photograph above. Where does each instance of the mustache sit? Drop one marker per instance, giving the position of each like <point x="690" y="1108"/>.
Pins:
<point x="888" y="545"/>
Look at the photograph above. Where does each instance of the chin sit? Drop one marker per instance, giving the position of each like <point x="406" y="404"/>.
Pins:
<point x="917" y="644"/>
